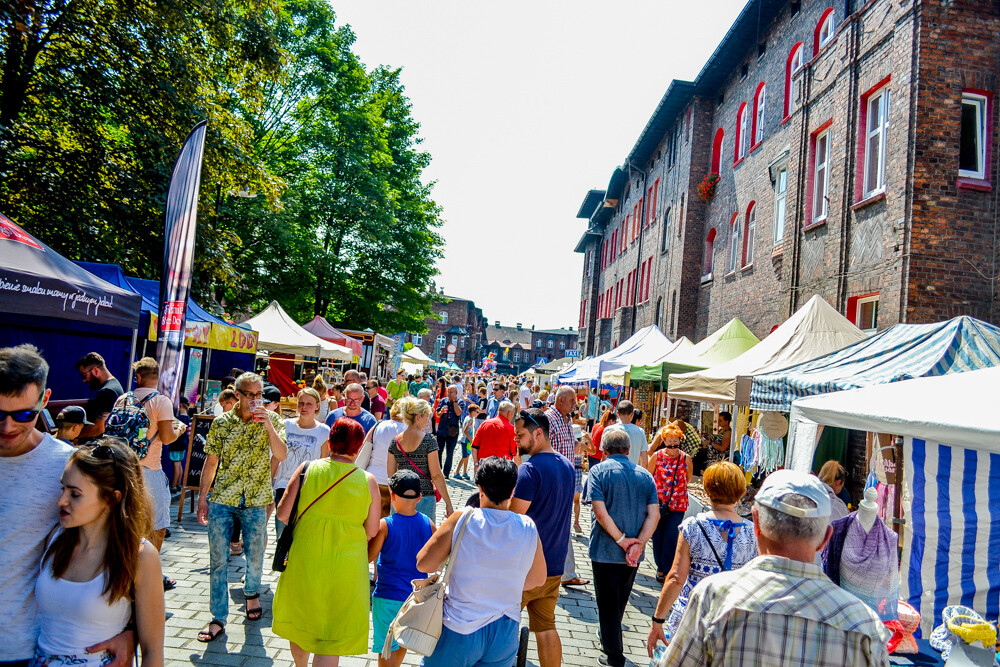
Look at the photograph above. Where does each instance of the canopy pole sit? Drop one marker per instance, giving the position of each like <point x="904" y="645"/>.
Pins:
<point x="131" y="358"/>
<point x="897" y="511"/>
<point x="205" y="377"/>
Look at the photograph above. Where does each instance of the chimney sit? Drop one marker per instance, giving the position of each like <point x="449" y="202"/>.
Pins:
<point x="441" y="291"/>
<point x="532" y="327"/>
<point x="518" y="326"/>
<point x="497" y="324"/>
<point x="571" y="328"/>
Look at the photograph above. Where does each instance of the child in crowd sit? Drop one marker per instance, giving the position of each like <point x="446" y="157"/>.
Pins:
<point x="400" y="537"/>
<point x="69" y="422"/>
<point x="468" y="434"/>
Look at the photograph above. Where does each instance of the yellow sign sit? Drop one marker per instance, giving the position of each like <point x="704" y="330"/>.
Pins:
<point x="214" y="336"/>
<point x="195" y="333"/>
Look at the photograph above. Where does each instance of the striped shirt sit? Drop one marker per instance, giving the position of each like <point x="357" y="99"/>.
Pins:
<point x="561" y="434"/>
<point x="773" y="612"/>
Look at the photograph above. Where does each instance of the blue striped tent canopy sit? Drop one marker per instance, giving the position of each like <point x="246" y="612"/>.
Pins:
<point x="903" y="352"/>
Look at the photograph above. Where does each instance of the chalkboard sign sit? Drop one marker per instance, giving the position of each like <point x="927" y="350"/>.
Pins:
<point x="198" y="433"/>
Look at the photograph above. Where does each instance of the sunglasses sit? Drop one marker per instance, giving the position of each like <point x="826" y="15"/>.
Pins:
<point x="525" y="415"/>
<point x="105" y="453"/>
<point x="20" y="416"/>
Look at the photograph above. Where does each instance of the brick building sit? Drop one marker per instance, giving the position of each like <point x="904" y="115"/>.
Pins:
<point x="519" y="348"/>
<point x="460" y="323"/>
<point x="854" y="146"/>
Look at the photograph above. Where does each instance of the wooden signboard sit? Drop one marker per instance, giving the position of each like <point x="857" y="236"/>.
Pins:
<point x="198" y="433"/>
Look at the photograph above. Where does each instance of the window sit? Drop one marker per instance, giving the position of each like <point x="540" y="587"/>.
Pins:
<point x="824" y="30"/>
<point x="793" y="87"/>
<point x="717" y="150"/>
<point x="708" y="256"/>
<point x="741" y="132"/>
<point x="821" y="176"/>
<point x="750" y="234"/>
<point x="973" y="145"/>
<point x="863" y="311"/>
<point x="665" y="245"/>
<point x="758" y="113"/>
<point x="873" y="150"/>
<point x="734" y="243"/>
<point x="649" y="273"/>
<point x="780" y="200"/>
<point x="444" y="316"/>
<point x="680" y="217"/>
<point x="673" y="309"/>
<point x="454" y="340"/>
<point x="562" y="345"/>
<point x="538" y="343"/>
<point x="461" y="342"/>
<point x="517" y="356"/>
<point x="659" y="313"/>
<point x="418" y="340"/>
<point x="442" y="341"/>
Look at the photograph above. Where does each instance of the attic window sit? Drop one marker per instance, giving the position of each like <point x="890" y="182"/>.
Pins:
<point x="796" y="6"/>
<point x="722" y="99"/>
<point x="761" y="49"/>
<point x="744" y="71"/>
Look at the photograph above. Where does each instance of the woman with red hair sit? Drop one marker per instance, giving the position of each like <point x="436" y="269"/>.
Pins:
<point x="671" y="469"/>
<point x="321" y="602"/>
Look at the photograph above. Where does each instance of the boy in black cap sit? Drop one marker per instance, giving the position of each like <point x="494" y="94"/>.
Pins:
<point x="70" y="422"/>
<point x="400" y="537"/>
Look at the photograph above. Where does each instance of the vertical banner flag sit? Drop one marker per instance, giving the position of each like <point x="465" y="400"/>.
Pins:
<point x="178" y="260"/>
<point x="397" y="355"/>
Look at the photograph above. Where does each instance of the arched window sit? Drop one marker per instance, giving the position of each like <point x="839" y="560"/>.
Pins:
<point x="562" y="345"/>
<point x="825" y="30"/>
<point x="444" y="316"/>
<point x="741" y="133"/>
<point x="666" y="231"/>
<point x="442" y="341"/>
<point x="538" y="343"/>
<point x="750" y="234"/>
<point x="758" y="113"/>
<point x="551" y="343"/>
<point x="656" y="318"/>
<point x="735" y="244"/>
<point x="717" y="150"/>
<point x="417" y="340"/>
<point x="706" y="259"/>
<point x="793" y="88"/>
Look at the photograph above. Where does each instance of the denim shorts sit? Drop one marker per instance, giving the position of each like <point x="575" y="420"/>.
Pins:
<point x="494" y="645"/>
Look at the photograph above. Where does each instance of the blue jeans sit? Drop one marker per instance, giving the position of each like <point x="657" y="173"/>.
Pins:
<point x="446" y="447"/>
<point x="220" y="529"/>
<point x="494" y="645"/>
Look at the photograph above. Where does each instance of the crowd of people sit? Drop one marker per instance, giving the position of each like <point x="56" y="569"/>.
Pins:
<point x="355" y="478"/>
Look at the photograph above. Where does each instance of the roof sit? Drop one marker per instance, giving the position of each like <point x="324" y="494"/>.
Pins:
<point x="743" y="35"/>
<point x="591" y="201"/>
<point x="812" y="331"/>
<point x="585" y="240"/>
<point x="280" y="333"/>
<point x="507" y="335"/>
<point x="902" y="352"/>
<point x="615" y="186"/>
<point x="678" y="94"/>
<point x="318" y="326"/>
<point x="457" y="330"/>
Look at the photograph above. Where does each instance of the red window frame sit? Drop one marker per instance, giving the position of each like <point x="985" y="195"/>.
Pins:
<point x="737" y="158"/>
<point x="649" y="272"/>
<point x="811" y="174"/>
<point x="788" y="80"/>
<point x="717" y="150"/>
<point x="862" y="144"/>
<point x="708" y="255"/>
<point x="653" y="201"/>
<point x="746" y="235"/>
<point x="852" y="306"/>
<point x="753" y="124"/>
<point x="819" y="26"/>
<point x="981" y="184"/>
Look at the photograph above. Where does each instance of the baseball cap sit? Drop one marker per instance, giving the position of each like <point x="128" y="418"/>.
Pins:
<point x="271" y="394"/>
<point x="405" y="484"/>
<point x="783" y="482"/>
<point x="74" y="414"/>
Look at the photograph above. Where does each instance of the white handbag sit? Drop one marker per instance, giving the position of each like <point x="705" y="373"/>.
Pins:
<point x="417" y="626"/>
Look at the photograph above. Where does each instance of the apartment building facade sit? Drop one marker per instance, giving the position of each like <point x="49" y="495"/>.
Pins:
<point x="852" y="152"/>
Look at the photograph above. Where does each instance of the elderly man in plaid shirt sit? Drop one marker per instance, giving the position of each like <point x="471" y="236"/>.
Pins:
<point x="561" y="437"/>
<point x="780" y="609"/>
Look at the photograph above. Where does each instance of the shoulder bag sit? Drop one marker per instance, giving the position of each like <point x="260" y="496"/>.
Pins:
<point x="437" y="494"/>
<point x="285" y="541"/>
<point x="417" y="626"/>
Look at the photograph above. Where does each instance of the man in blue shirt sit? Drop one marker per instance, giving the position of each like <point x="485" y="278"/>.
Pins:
<point x="352" y="409"/>
<point x="449" y="415"/>
<point x="626" y="509"/>
<point x="544" y="492"/>
<point x="499" y="389"/>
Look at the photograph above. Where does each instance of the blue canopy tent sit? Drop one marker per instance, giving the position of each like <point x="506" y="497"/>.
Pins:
<point x="903" y="352"/>
<point x="646" y="344"/>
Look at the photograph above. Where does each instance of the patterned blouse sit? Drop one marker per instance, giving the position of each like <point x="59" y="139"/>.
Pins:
<point x="244" y="452"/>
<point x="671" y="480"/>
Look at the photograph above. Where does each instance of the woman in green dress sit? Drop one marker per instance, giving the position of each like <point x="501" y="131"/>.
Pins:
<point x="321" y="601"/>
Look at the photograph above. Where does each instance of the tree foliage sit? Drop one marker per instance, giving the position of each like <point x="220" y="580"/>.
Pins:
<point x="96" y="97"/>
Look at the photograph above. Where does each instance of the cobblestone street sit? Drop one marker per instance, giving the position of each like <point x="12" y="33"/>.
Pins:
<point x="185" y="558"/>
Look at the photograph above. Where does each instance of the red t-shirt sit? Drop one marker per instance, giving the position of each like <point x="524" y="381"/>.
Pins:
<point x="596" y="437"/>
<point x="495" y="437"/>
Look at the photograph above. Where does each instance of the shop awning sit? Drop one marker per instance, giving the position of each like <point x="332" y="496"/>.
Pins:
<point x="728" y="342"/>
<point x="903" y="352"/>
<point x="318" y="326"/>
<point x="813" y="330"/>
<point x="201" y="328"/>
<point x="36" y="280"/>
<point x="280" y="333"/>
<point x="643" y="346"/>
<point x="621" y="376"/>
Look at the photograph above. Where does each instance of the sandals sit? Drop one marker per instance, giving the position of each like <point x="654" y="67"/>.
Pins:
<point x="168" y="583"/>
<point x="254" y="614"/>
<point x="576" y="581"/>
<point x="660" y="577"/>
<point x="235" y="548"/>
<point x="207" y="635"/>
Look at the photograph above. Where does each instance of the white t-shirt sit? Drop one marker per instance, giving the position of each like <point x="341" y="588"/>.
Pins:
<point x="524" y="396"/>
<point x="30" y="488"/>
<point x="157" y="409"/>
<point x="304" y="444"/>
<point x="637" y="438"/>
<point x="382" y="436"/>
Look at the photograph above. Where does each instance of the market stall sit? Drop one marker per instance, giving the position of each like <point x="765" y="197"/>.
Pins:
<point x="644" y="345"/>
<point x="63" y="309"/>
<point x="902" y="352"/>
<point x="376" y="353"/>
<point x="728" y="342"/>
<point x="318" y="326"/>
<point x="951" y="481"/>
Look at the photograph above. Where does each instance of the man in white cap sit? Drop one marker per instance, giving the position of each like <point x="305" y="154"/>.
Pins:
<point x="780" y="609"/>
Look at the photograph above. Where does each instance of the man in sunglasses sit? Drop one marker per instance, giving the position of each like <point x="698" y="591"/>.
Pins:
<point x="94" y="373"/>
<point x="31" y="463"/>
<point x="493" y="406"/>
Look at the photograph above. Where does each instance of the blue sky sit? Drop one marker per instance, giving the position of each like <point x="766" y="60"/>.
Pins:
<point x="524" y="106"/>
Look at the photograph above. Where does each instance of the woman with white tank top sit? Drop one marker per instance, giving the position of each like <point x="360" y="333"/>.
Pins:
<point x="499" y="556"/>
<point x="97" y="566"/>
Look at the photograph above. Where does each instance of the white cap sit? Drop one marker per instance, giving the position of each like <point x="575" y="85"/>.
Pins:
<point x="783" y="482"/>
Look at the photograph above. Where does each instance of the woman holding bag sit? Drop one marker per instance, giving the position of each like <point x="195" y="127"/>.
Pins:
<point x="321" y="601"/>
<point x="415" y="449"/>
<point x="499" y="557"/>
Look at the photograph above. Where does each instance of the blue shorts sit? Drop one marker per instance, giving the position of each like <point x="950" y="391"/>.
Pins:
<point x="383" y="613"/>
<point x="494" y="645"/>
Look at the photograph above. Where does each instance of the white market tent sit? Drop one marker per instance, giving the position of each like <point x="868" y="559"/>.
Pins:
<point x="416" y="356"/>
<point x="813" y="330"/>
<point x="280" y="333"/>
<point x="647" y="344"/>
<point x="645" y="357"/>
<point x="951" y="480"/>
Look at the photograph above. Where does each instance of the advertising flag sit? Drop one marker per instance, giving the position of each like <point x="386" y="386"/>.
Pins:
<point x="178" y="260"/>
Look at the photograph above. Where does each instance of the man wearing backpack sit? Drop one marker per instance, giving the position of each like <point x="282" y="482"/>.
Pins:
<point x="145" y="418"/>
